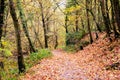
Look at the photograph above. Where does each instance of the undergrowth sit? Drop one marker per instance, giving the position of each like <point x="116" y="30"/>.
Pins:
<point x="74" y="43"/>
<point x="10" y="71"/>
<point x="69" y="48"/>
<point x="35" y="57"/>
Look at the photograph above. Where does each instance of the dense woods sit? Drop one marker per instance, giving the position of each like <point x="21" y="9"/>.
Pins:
<point x="31" y="29"/>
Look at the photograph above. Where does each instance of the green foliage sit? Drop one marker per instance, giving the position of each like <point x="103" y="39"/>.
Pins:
<point x="10" y="71"/>
<point x="69" y="48"/>
<point x="72" y="38"/>
<point x="43" y="53"/>
<point x="6" y="44"/>
<point x="84" y="43"/>
<point x="35" y="57"/>
<point x="6" y="49"/>
<point x="5" y="52"/>
<point x="103" y="28"/>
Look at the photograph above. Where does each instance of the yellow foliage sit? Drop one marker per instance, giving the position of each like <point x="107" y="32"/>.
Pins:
<point x="71" y="18"/>
<point x="72" y="9"/>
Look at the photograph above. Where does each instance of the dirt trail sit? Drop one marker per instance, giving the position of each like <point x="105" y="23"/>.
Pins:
<point x="62" y="66"/>
<point x="88" y="64"/>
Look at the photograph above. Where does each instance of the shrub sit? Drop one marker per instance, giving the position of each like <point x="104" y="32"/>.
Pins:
<point x="5" y="50"/>
<point x="43" y="53"/>
<point x="72" y="38"/>
<point x="35" y="57"/>
<point x="84" y="43"/>
<point x="69" y="48"/>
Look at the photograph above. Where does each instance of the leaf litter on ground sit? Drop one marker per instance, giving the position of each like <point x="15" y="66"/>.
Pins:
<point x="92" y="63"/>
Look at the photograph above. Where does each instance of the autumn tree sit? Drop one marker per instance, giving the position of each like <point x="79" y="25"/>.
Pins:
<point x="116" y="6"/>
<point x="105" y="17"/>
<point x="116" y="34"/>
<point x="24" y="24"/>
<point x="44" y="25"/>
<point x="88" y="19"/>
<point x="93" y="14"/>
<point x="2" y="7"/>
<point x="21" y="65"/>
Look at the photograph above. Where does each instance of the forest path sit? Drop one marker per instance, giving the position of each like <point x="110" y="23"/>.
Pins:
<point x="62" y="66"/>
<point x="87" y="64"/>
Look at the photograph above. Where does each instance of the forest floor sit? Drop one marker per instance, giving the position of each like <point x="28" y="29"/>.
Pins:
<point x="97" y="61"/>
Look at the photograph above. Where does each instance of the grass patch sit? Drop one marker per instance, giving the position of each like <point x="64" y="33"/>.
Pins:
<point x="72" y="38"/>
<point x="35" y="57"/>
<point x="69" y="48"/>
<point x="10" y="71"/>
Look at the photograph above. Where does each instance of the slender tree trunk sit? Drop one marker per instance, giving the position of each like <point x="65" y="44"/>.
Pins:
<point x="2" y="7"/>
<point x="66" y="23"/>
<point x="66" y="27"/>
<point x="116" y="34"/>
<point x="97" y="25"/>
<point x="105" y="19"/>
<point x="44" y="25"/>
<point x="21" y="64"/>
<point x="24" y="24"/>
<point x="99" y="17"/>
<point x="107" y="13"/>
<point x="56" y="37"/>
<point x="76" y="21"/>
<point x="56" y="41"/>
<point x="95" y="17"/>
<point x="36" y="35"/>
<point x="117" y="12"/>
<point x="88" y="22"/>
<point x="5" y="20"/>
<point x="83" y="26"/>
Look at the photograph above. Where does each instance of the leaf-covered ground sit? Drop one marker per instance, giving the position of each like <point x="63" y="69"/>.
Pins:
<point x="88" y="64"/>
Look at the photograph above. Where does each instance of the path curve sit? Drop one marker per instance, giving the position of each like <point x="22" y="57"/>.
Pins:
<point x="62" y="66"/>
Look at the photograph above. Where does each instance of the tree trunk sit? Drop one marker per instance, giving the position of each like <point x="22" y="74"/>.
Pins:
<point x="66" y="23"/>
<point x="117" y="12"/>
<point x="2" y="7"/>
<point x="56" y="41"/>
<point x="83" y="26"/>
<point x="107" y="13"/>
<point x="44" y="26"/>
<point x="116" y="34"/>
<point x="97" y="25"/>
<point x="24" y="24"/>
<point x="105" y="18"/>
<point x="21" y="64"/>
<point x="36" y="35"/>
<point x="6" y="13"/>
<point x="95" y="17"/>
<point x="76" y="21"/>
<point x="88" y="22"/>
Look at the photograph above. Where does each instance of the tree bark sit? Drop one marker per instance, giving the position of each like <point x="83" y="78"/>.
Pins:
<point x="21" y="64"/>
<point x="107" y="13"/>
<point x="105" y="18"/>
<point x="66" y="23"/>
<point x="116" y="34"/>
<point x="88" y="21"/>
<point x="117" y="12"/>
<point x="36" y="35"/>
<point x="24" y="24"/>
<point x="44" y="25"/>
<point x="83" y="26"/>
<point x="2" y="7"/>
<point x="76" y="21"/>
<point x="97" y="25"/>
